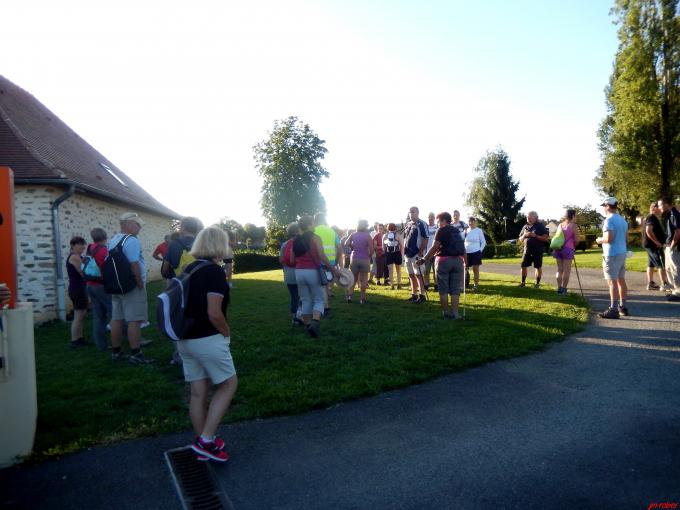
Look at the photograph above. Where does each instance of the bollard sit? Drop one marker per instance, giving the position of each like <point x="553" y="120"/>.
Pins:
<point x="18" y="396"/>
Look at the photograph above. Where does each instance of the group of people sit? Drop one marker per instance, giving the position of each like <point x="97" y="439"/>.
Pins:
<point x="204" y="350"/>
<point x="315" y="255"/>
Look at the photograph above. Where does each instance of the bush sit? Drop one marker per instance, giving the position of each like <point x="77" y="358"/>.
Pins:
<point x="489" y="251"/>
<point x="635" y="238"/>
<point x="507" y="250"/>
<point x="251" y="262"/>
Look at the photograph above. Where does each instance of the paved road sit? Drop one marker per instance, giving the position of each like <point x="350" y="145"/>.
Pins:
<point x="591" y="422"/>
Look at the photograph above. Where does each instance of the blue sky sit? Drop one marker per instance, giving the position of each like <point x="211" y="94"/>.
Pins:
<point x="407" y="95"/>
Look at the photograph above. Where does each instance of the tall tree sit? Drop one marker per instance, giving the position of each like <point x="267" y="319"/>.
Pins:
<point x="640" y="136"/>
<point x="493" y="199"/>
<point x="289" y="161"/>
<point x="587" y="217"/>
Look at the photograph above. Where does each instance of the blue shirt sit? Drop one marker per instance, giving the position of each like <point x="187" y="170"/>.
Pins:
<point x="132" y="249"/>
<point x="618" y="228"/>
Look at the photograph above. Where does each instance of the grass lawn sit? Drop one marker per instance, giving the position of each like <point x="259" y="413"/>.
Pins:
<point x="84" y="399"/>
<point x="590" y="258"/>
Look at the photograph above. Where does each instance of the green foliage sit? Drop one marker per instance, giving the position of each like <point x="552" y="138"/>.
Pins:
<point x="289" y="162"/>
<point x="254" y="235"/>
<point x="251" y="262"/>
<point x="493" y="199"/>
<point x="276" y="235"/>
<point x="503" y="250"/>
<point x="233" y="227"/>
<point x="586" y="217"/>
<point x="640" y="136"/>
<point x="84" y="399"/>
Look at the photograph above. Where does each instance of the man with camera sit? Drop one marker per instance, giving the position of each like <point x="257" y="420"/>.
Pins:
<point x="415" y="242"/>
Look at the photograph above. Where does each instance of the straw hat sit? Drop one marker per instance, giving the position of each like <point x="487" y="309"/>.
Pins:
<point x="346" y="278"/>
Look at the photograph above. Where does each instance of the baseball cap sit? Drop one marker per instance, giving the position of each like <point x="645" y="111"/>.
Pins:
<point x="132" y="216"/>
<point x="610" y="201"/>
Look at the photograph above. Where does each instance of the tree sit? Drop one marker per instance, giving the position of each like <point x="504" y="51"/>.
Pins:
<point x="253" y="234"/>
<point x="640" y="136"/>
<point x="586" y="217"/>
<point x="289" y="163"/>
<point x="493" y="199"/>
<point x="232" y="227"/>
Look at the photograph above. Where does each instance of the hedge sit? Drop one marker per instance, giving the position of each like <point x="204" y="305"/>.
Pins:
<point x="251" y="262"/>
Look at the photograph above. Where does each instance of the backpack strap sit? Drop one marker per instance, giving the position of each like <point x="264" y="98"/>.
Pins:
<point x="201" y="265"/>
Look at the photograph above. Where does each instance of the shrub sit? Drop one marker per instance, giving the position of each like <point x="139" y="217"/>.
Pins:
<point x="507" y="250"/>
<point x="635" y="238"/>
<point x="489" y="251"/>
<point x="251" y="262"/>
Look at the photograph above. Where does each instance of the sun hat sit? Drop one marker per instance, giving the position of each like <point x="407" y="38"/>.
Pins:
<point x="132" y="216"/>
<point x="610" y="201"/>
<point x="346" y="278"/>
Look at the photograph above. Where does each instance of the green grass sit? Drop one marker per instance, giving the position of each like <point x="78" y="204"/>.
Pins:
<point x="84" y="399"/>
<point x="591" y="258"/>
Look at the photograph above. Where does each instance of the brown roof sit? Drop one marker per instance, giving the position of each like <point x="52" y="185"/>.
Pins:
<point x="40" y="148"/>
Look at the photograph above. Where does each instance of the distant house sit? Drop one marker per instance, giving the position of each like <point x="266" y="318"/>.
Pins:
<point x="552" y="227"/>
<point x="63" y="188"/>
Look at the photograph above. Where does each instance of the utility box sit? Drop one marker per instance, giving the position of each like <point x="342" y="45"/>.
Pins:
<point x="18" y="393"/>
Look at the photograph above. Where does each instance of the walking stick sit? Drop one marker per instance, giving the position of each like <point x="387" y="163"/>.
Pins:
<point x="578" y="277"/>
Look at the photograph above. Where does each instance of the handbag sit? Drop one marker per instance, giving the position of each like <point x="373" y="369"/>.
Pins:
<point x="323" y="276"/>
<point x="557" y="242"/>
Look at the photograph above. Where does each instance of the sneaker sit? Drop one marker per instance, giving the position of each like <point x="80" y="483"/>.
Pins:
<point x="609" y="313"/>
<point x="623" y="310"/>
<point x="475" y="288"/>
<point x="666" y="287"/>
<point x="522" y="284"/>
<point x="139" y="359"/>
<point x="118" y="356"/>
<point x="209" y="450"/>
<point x="652" y="286"/>
<point x="537" y="285"/>
<point x="673" y="297"/>
<point x="75" y="344"/>
<point x="420" y="299"/>
<point x="412" y="299"/>
<point x="313" y="329"/>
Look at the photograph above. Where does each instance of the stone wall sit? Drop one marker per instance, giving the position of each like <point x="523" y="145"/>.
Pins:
<point x="77" y="216"/>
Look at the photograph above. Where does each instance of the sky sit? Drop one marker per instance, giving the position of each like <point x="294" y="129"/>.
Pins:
<point x="408" y="96"/>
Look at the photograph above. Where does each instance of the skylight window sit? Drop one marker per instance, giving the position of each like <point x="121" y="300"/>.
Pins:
<point x="106" y="167"/>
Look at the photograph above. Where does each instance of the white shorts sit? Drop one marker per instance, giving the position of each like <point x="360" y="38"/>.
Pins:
<point x="614" y="268"/>
<point x="411" y="266"/>
<point x="207" y="358"/>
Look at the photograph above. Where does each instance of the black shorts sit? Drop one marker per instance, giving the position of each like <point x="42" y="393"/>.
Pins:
<point x="655" y="257"/>
<point x="474" y="259"/>
<point x="79" y="298"/>
<point x="533" y="258"/>
<point x="393" y="258"/>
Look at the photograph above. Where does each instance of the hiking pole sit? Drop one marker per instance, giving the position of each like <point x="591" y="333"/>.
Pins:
<point x="420" y="272"/>
<point x="464" y="297"/>
<point x="578" y="277"/>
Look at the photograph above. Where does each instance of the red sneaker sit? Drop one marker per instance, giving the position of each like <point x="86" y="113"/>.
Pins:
<point x="209" y="450"/>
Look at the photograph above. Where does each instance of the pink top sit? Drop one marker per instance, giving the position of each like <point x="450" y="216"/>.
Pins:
<point x="359" y="243"/>
<point x="569" y="237"/>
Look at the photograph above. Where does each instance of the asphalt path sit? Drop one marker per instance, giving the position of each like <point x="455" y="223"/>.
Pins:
<point x="590" y="422"/>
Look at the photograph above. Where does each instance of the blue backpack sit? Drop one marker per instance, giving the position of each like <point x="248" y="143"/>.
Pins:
<point x="171" y="305"/>
<point x="91" y="270"/>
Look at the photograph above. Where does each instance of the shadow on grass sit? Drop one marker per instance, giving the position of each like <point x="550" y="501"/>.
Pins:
<point x="85" y="399"/>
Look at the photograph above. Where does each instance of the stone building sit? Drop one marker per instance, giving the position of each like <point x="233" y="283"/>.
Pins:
<point x="63" y="187"/>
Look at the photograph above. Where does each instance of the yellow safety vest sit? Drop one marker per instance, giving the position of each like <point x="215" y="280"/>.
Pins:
<point x="327" y="235"/>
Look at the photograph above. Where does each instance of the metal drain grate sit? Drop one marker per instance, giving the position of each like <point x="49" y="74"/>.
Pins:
<point x="195" y="481"/>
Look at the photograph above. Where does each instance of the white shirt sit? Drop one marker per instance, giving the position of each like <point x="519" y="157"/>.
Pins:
<point x="474" y="240"/>
<point x="431" y="231"/>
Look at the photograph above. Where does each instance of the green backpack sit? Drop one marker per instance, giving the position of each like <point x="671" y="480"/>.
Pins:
<point x="557" y="242"/>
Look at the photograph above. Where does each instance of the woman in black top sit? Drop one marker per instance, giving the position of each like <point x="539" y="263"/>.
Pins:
<point x="206" y="357"/>
<point x="450" y="262"/>
<point x="77" y="290"/>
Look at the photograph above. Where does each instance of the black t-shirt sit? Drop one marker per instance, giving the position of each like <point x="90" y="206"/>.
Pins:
<point x="672" y="224"/>
<point x="451" y="242"/>
<point x="207" y="280"/>
<point x="531" y="244"/>
<point x="657" y="229"/>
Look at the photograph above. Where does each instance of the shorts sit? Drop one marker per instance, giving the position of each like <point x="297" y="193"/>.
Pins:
<point x="393" y="258"/>
<point x="614" y="268"/>
<point x="449" y="275"/>
<point x="564" y="254"/>
<point x="207" y="358"/>
<point x="411" y="266"/>
<point x="130" y="307"/>
<point x="535" y="259"/>
<point x="655" y="257"/>
<point x="360" y="265"/>
<point x="78" y="298"/>
<point x="474" y="259"/>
